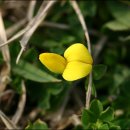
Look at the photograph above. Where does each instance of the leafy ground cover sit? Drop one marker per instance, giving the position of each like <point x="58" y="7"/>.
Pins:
<point x="32" y="97"/>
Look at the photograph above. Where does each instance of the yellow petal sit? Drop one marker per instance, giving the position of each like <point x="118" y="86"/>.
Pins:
<point x="76" y="70"/>
<point x="53" y="62"/>
<point x="78" y="52"/>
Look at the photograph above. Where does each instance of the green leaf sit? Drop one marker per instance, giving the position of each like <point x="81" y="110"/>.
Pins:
<point x="16" y="85"/>
<point x="38" y="125"/>
<point x="121" y="73"/>
<point x="124" y="95"/>
<point x="120" y="11"/>
<point x="116" y="26"/>
<point x="99" y="71"/>
<point x="55" y="89"/>
<point x="124" y="38"/>
<point x="87" y="117"/>
<point x="29" y="71"/>
<point x="114" y="127"/>
<point x="96" y="107"/>
<point x="44" y="101"/>
<point x="107" y="115"/>
<point x="124" y="123"/>
<point x="94" y="93"/>
<point x="88" y="7"/>
<point x="104" y="127"/>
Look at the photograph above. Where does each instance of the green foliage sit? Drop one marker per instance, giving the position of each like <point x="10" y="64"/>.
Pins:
<point x="116" y="26"/>
<point x="99" y="71"/>
<point x="89" y="8"/>
<point x="37" y="125"/>
<point x="48" y="96"/>
<point x="104" y="127"/>
<point x="28" y="71"/>
<point x="120" y="11"/>
<point x="99" y="108"/>
<point x="107" y="115"/>
<point x="97" y="118"/>
<point x="87" y="117"/>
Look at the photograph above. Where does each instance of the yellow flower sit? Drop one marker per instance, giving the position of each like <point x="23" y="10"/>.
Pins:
<point x="76" y="63"/>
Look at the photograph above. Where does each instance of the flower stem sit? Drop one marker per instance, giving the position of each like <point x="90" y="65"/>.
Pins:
<point x="82" y="21"/>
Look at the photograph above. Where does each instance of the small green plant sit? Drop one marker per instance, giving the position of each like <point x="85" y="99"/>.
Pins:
<point x="96" y="118"/>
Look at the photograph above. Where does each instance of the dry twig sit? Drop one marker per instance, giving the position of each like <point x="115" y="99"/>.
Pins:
<point x="6" y="92"/>
<point x="82" y="21"/>
<point x="33" y="114"/>
<point x="73" y="120"/>
<point x="31" y="9"/>
<point x="8" y="123"/>
<point x="5" y="71"/>
<point x="17" y="35"/>
<point x="21" y="105"/>
<point x="11" y="30"/>
<point x="18" y="25"/>
<point x="55" y="25"/>
<point x="32" y="26"/>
